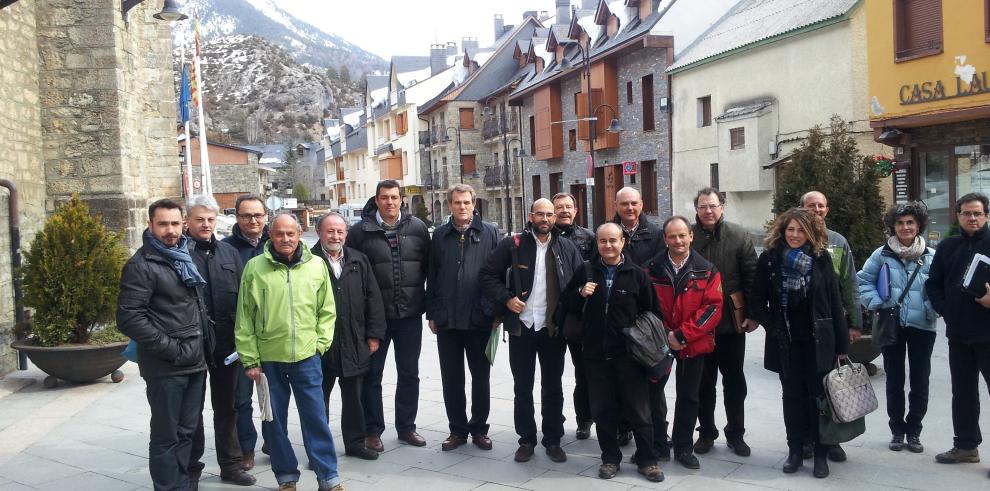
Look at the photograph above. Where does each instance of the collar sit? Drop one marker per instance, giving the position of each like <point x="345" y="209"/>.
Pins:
<point x="205" y="245"/>
<point x="288" y="261"/>
<point x="329" y="256"/>
<point x="976" y="235"/>
<point x="715" y="231"/>
<point x="678" y="266"/>
<point x="539" y="243"/>
<point x="381" y="221"/>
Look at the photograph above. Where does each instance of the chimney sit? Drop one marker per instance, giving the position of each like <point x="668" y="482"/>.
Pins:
<point x="451" y="48"/>
<point x="470" y="44"/>
<point x="508" y="28"/>
<point x="530" y="13"/>
<point x="499" y="26"/>
<point x="438" y="58"/>
<point x="544" y="16"/>
<point x="563" y="12"/>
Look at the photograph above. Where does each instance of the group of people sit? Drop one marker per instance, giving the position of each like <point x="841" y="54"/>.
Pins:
<point x="260" y="309"/>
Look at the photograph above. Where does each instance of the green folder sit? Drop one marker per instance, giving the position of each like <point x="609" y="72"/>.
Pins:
<point x="493" y="344"/>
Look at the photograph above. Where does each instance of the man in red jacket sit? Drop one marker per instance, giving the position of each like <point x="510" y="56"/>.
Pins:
<point x="689" y="291"/>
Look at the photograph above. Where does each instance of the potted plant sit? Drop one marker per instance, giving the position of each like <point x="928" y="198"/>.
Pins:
<point x="71" y="280"/>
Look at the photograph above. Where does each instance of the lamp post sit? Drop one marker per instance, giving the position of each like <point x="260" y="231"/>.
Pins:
<point x="503" y="129"/>
<point x="460" y="158"/>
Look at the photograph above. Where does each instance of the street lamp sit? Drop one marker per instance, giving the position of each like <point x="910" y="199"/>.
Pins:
<point x="503" y="129"/>
<point x="460" y="158"/>
<point x="170" y="10"/>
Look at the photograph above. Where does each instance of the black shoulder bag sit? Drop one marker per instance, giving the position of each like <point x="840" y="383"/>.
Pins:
<point x="887" y="320"/>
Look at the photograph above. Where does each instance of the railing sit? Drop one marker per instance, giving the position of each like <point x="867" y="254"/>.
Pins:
<point x="424" y="138"/>
<point x="495" y="175"/>
<point x="490" y="128"/>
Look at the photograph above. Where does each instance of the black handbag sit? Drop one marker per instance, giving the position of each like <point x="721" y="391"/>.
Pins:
<point x="831" y="432"/>
<point x="888" y="320"/>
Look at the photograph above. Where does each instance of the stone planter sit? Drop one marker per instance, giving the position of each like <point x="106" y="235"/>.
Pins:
<point x="76" y="363"/>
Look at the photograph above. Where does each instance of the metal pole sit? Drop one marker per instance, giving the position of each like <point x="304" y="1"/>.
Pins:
<point x="590" y="184"/>
<point x="505" y="158"/>
<point x="14" y="220"/>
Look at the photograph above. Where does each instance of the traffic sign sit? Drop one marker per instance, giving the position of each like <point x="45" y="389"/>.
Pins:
<point x="274" y="203"/>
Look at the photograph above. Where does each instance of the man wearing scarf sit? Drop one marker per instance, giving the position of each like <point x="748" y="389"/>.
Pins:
<point x="160" y="308"/>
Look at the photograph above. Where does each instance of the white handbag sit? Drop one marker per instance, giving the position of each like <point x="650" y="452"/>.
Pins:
<point x="849" y="392"/>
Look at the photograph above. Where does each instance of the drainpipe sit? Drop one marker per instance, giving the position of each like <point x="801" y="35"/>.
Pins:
<point x="15" y="260"/>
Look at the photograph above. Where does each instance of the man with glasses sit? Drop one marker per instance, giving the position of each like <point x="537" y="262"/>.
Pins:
<point x="538" y="266"/>
<point x="248" y="236"/>
<point x="967" y="324"/>
<point x="731" y="250"/>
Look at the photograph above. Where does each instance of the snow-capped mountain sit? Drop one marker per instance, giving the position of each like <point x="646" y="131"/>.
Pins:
<point x="306" y="43"/>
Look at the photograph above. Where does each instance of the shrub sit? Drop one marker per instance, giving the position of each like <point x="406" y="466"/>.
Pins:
<point x="72" y="276"/>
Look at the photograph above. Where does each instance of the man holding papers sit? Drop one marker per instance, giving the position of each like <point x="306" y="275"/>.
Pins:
<point x="967" y="324"/>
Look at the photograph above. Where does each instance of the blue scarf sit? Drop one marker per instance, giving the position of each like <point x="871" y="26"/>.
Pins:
<point x="796" y="275"/>
<point x="179" y="257"/>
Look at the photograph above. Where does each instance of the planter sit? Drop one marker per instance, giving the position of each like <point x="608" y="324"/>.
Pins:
<point x="76" y="363"/>
<point x="865" y="351"/>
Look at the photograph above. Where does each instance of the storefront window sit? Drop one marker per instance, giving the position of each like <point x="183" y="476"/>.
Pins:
<point x="971" y="166"/>
<point x="935" y="192"/>
<point x="972" y="169"/>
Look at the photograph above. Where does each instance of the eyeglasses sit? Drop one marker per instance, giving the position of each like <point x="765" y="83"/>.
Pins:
<point x="252" y="218"/>
<point x="972" y="214"/>
<point x="708" y="207"/>
<point x="540" y="214"/>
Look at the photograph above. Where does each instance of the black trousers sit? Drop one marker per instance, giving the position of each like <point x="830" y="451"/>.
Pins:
<point x="727" y="359"/>
<point x="917" y="344"/>
<point x="582" y="406"/>
<point x="523" y="352"/>
<point x="688" y="372"/>
<point x="408" y="336"/>
<point x="453" y="347"/>
<point x="352" y="426"/>
<point x="801" y="386"/>
<point x="966" y="362"/>
<point x="176" y="404"/>
<point x="619" y="387"/>
<point x="223" y="390"/>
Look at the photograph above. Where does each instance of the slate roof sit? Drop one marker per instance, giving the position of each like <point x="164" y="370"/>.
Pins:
<point x="405" y="64"/>
<point x="377" y="82"/>
<point x="753" y="21"/>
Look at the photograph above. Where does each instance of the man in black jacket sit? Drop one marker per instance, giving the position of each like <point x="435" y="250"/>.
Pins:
<point x="731" y="250"/>
<point x="248" y="236"/>
<point x="643" y="237"/>
<point x="460" y="316"/>
<point x="618" y="293"/>
<point x="539" y="265"/>
<point x="398" y="247"/>
<point x="221" y="268"/>
<point x="360" y="326"/>
<point x="967" y="324"/>
<point x="565" y="208"/>
<point x="159" y="307"/>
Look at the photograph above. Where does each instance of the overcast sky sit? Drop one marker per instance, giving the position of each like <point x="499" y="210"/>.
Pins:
<point x="409" y="27"/>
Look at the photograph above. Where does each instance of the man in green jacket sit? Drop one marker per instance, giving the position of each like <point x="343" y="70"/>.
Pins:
<point x="285" y="321"/>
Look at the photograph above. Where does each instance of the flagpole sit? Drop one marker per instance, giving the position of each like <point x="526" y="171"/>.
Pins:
<point x="204" y="157"/>
<point x="185" y="125"/>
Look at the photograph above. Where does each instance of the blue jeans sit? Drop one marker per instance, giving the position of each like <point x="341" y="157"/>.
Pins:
<point x="408" y="336"/>
<point x="305" y="380"/>
<point x="176" y="404"/>
<point x="246" y="432"/>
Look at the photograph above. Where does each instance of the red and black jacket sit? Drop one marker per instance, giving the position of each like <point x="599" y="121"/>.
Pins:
<point x="691" y="300"/>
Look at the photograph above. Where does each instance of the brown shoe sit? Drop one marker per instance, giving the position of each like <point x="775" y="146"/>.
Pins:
<point x="248" y="462"/>
<point x="556" y="453"/>
<point x="238" y="477"/>
<point x="482" y="442"/>
<point x="524" y="452"/>
<point x="412" y="438"/>
<point x="453" y="441"/>
<point x="287" y="486"/>
<point x="374" y="443"/>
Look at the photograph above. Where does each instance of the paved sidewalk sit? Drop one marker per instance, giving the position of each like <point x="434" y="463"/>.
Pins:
<point x="95" y="437"/>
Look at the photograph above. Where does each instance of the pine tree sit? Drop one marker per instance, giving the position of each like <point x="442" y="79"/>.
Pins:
<point x="830" y="162"/>
<point x="345" y="74"/>
<point x="332" y="73"/>
<point x="300" y="192"/>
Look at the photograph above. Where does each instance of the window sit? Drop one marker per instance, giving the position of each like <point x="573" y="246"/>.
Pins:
<point x="649" y="121"/>
<point x="629" y="98"/>
<point x="917" y="28"/>
<point x="467" y="118"/>
<point x="532" y="135"/>
<point x="400" y="123"/>
<point x="556" y="183"/>
<point x="648" y="183"/>
<point x="468" y="164"/>
<point x="572" y="139"/>
<point x="388" y="129"/>
<point x="704" y="111"/>
<point x="737" y="138"/>
<point x="577" y="96"/>
<point x="496" y="158"/>
<point x="713" y="175"/>
<point x="537" y="188"/>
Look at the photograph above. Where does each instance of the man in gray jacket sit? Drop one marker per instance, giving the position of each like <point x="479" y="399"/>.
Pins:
<point x="731" y="249"/>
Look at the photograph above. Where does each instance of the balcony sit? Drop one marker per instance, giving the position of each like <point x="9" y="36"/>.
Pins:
<point x="424" y="138"/>
<point x="495" y="176"/>
<point x="383" y="148"/>
<point x="491" y="129"/>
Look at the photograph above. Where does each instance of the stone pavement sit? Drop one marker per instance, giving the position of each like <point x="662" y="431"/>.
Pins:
<point x="95" y="437"/>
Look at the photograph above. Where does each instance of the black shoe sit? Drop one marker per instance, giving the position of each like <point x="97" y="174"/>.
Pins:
<point x="807" y="451"/>
<point x="835" y="454"/>
<point x="821" y="466"/>
<point x="264" y="449"/>
<point x="238" y="477"/>
<point x="737" y="445"/>
<point x="896" y="443"/>
<point x="584" y="431"/>
<point x="624" y="438"/>
<point x="663" y="453"/>
<point x="794" y="462"/>
<point x="687" y="459"/>
<point x="362" y="453"/>
<point x="556" y="453"/>
<point x="608" y="471"/>
<point x="703" y="445"/>
<point x="914" y="444"/>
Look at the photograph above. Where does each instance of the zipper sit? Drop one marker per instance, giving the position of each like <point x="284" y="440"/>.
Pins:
<point x="460" y="269"/>
<point x="292" y="312"/>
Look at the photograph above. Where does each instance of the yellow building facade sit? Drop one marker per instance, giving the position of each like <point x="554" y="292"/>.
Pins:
<point x="930" y="99"/>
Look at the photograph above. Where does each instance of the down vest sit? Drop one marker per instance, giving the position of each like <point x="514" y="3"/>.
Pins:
<point x="690" y="301"/>
<point x="403" y="290"/>
<point x="453" y="293"/>
<point x="917" y="310"/>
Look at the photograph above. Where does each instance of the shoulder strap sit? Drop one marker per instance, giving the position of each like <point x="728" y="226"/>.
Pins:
<point x="907" y="287"/>
<point x="516" y="279"/>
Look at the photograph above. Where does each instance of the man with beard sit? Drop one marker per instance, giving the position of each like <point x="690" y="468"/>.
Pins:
<point x="160" y="308"/>
<point x="221" y="268"/>
<point x="565" y="208"/>
<point x="359" y="327"/>
<point x="248" y="236"/>
<point x="539" y="265"/>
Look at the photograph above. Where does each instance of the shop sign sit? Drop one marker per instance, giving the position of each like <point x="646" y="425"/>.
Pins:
<point x="901" y="185"/>
<point x="930" y="91"/>
<point x="629" y="168"/>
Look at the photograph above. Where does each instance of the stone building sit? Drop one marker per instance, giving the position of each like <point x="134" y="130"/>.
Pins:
<point x="89" y="107"/>
<point x="234" y="170"/>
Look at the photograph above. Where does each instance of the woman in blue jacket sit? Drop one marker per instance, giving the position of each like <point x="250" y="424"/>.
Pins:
<point x="904" y="251"/>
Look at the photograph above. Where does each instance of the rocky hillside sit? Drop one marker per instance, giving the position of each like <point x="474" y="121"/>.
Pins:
<point x="256" y="92"/>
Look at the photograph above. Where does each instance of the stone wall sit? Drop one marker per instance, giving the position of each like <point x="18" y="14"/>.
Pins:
<point x="20" y="151"/>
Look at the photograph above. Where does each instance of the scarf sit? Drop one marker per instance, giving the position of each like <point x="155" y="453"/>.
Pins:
<point x="907" y="253"/>
<point x="179" y="257"/>
<point x="796" y="276"/>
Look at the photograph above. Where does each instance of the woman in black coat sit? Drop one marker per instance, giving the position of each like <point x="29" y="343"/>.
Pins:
<point x="796" y="298"/>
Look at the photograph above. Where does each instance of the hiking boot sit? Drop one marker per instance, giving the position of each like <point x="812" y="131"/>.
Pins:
<point x="652" y="473"/>
<point x="703" y="445"/>
<point x="896" y="443"/>
<point x="608" y="471"/>
<point x="914" y="444"/>
<point x="958" y="456"/>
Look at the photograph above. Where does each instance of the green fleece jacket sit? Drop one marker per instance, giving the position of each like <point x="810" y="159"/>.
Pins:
<point x="284" y="314"/>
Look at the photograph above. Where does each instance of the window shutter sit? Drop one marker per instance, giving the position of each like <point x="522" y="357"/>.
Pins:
<point x="467" y="118"/>
<point x="582" y="112"/>
<point x="918" y="27"/>
<point x="737" y="138"/>
<point x="468" y="164"/>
